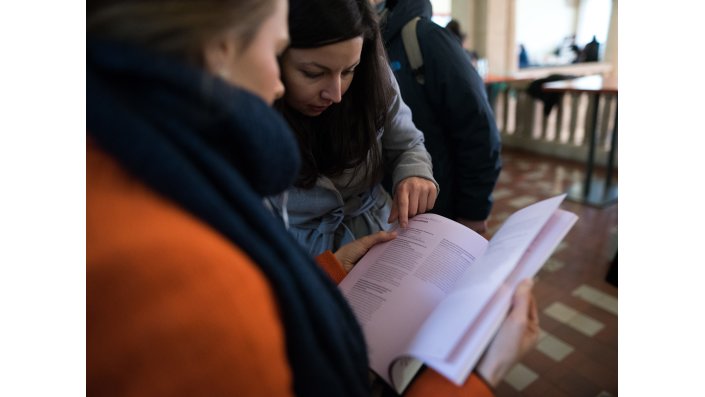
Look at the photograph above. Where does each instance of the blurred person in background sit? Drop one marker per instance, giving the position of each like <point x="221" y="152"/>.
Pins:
<point x="453" y="26"/>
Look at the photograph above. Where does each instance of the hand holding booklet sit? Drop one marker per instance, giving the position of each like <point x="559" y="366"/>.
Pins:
<point x="437" y="294"/>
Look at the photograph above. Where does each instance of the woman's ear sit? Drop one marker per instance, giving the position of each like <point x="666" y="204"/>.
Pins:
<point x="219" y="55"/>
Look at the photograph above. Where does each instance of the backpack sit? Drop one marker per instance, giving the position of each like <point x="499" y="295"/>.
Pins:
<point x="413" y="51"/>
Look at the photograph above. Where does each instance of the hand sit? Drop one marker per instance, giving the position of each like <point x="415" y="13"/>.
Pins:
<point x="478" y="226"/>
<point x="517" y="335"/>
<point x="351" y="252"/>
<point x="412" y="196"/>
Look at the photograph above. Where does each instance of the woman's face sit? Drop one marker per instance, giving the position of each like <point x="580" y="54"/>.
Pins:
<point x="316" y="78"/>
<point x="255" y="68"/>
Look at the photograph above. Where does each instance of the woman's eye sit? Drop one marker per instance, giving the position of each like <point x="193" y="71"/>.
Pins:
<point x="312" y="75"/>
<point x="349" y="72"/>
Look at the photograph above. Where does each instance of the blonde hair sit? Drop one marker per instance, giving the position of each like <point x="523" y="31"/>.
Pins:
<point x="178" y="28"/>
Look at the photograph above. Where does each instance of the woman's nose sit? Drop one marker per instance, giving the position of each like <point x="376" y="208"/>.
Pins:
<point x="333" y="91"/>
<point x="279" y="89"/>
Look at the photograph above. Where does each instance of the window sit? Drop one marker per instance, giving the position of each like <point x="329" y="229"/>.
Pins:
<point x="441" y="12"/>
<point x="594" y="20"/>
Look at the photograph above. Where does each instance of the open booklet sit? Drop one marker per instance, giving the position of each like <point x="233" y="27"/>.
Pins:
<point x="437" y="294"/>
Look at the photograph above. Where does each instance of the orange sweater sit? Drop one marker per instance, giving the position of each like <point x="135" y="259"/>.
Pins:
<point x="175" y="309"/>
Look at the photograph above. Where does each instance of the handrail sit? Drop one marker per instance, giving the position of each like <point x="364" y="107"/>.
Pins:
<point x="563" y="132"/>
<point x="538" y="72"/>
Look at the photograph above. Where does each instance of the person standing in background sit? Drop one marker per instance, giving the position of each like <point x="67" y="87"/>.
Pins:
<point x="523" y="57"/>
<point x="452" y="111"/>
<point x="453" y="26"/>
<point x="591" y="51"/>
<point x="568" y="51"/>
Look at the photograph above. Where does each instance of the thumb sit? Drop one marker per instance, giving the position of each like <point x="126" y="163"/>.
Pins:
<point x="522" y="299"/>
<point x="370" y="241"/>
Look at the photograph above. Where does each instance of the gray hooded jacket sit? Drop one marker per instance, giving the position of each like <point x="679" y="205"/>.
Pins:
<point x="336" y="212"/>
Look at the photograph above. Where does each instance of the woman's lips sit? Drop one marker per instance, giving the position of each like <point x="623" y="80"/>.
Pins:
<point x="317" y="109"/>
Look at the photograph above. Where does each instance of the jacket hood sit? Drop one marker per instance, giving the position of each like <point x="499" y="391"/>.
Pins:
<point x="401" y="13"/>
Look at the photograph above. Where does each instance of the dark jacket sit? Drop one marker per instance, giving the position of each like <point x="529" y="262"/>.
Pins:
<point x="591" y="52"/>
<point x="452" y="111"/>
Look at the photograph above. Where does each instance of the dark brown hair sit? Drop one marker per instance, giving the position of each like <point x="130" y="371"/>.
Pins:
<point x="345" y="135"/>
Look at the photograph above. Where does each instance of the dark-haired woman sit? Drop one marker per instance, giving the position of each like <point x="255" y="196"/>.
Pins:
<point x="343" y="104"/>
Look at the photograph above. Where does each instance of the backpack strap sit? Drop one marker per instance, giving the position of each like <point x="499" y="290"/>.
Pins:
<point x="413" y="51"/>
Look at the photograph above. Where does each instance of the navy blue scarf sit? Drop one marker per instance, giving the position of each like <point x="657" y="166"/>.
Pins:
<point x="216" y="151"/>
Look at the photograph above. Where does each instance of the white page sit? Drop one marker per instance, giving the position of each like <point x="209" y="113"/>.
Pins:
<point x="393" y="299"/>
<point x="481" y="281"/>
<point x="460" y="362"/>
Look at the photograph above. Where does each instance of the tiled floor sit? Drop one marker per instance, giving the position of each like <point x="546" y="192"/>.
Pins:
<point x="577" y="351"/>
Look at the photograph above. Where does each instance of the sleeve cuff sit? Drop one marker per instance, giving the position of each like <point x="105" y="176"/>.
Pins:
<point x="329" y="263"/>
<point x="431" y="383"/>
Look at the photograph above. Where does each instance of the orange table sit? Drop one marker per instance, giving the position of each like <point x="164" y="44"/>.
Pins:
<point x="593" y="192"/>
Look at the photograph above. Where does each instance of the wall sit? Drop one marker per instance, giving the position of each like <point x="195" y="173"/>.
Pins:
<point x="490" y="28"/>
<point x="541" y="25"/>
<point x="496" y="27"/>
<point x="500" y="36"/>
<point x="611" y="46"/>
<point x="463" y="11"/>
<point x="594" y="21"/>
